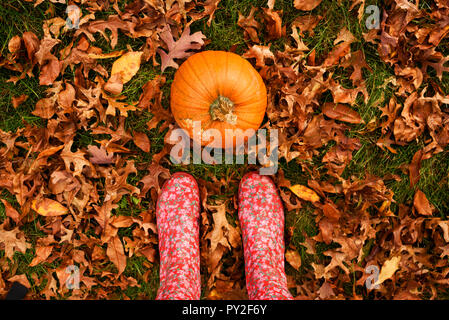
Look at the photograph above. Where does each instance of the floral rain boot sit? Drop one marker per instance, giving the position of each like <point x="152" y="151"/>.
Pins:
<point x="261" y="217"/>
<point x="177" y="214"/>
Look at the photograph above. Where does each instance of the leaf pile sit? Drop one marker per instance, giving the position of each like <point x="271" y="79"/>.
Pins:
<point x="72" y="193"/>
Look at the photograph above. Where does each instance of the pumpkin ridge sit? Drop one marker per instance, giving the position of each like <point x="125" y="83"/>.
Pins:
<point x="241" y="69"/>
<point x="211" y="75"/>
<point x="181" y="92"/>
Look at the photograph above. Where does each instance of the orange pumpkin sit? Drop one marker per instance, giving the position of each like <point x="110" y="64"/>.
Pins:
<point x="222" y="91"/>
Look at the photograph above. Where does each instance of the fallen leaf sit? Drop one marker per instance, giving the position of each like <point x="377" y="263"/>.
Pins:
<point x="414" y="167"/>
<point x="10" y="211"/>
<point x="180" y="48"/>
<point x="341" y="112"/>
<point x="249" y="25"/>
<point x="127" y="65"/>
<point x="13" y="240"/>
<point x="42" y="253"/>
<point x="14" y="44"/>
<point x="141" y="140"/>
<point x="293" y="257"/>
<point x="421" y="204"/>
<point x="306" y="5"/>
<point x="116" y="254"/>
<point x="100" y="155"/>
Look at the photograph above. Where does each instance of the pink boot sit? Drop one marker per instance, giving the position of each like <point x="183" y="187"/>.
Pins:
<point x="261" y="217"/>
<point x="177" y="214"/>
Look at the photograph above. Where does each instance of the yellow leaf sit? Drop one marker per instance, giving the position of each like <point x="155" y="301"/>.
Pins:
<point x="127" y="65"/>
<point x="305" y="193"/>
<point x="49" y="208"/>
<point x="388" y="269"/>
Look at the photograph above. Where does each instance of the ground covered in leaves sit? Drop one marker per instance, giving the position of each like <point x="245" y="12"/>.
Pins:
<point x="363" y="144"/>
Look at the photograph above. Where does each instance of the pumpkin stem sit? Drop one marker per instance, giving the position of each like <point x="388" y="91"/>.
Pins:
<point x="221" y="109"/>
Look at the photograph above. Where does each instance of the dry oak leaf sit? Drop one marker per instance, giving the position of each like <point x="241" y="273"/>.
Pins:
<point x="341" y="112"/>
<point x="151" y="180"/>
<point x="100" y="155"/>
<point x="14" y="44"/>
<point x="48" y="207"/>
<point x="10" y="211"/>
<point x="293" y="257"/>
<point x="32" y="43"/>
<point x="388" y="269"/>
<point x="223" y="233"/>
<point x="306" y="5"/>
<point x="249" y="25"/>
<point x="127" y="65"/>
<point x="305" y="193"/>
<point x="13" y="240"/>
<point x="20" y="278"/>
<point x="113" y="23"/>
<point x="179" y="49"/>
<point x="75" y="160"/>
<point x="114" y="86"/>
<point x="42" y="253"/>
<point x="116" y="254"/>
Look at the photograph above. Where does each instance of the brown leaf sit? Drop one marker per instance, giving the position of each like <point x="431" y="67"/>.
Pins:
<point x="75" y="160"/>
<point x="116" y="254"/>
<point x="326" y="291"/>
<point x="152" y="179"/>
<point x="306" y="5"/>
<point x="249" y="25"/>
<point x="31" y="42"/>
<point x="13" y="240"/>
<point x="114" y="23"/>
<point x="114" y="84"/>
<point x="141" y="140"/>
<point x="331" y="211"/>
<point x="67" y="96"/>
<point x="306" y="24"/>
<point x="42" y="253"/>
<point x="293" y="257"/>
<point x="273" y="24"/>
<point x="10" y="211"/>
<point x="180" y="48"/>
<point x="14" y="44"/>
<point x="326" y="230"/>
<point x="22" y="279"/>
<point x="100" y="155"/>
<point x="45" y="108"/>
<point x="222" y="233"/>
<point x="341" y="112"/>
<point x="421" y="204"/>
<point x="17" y="101"/>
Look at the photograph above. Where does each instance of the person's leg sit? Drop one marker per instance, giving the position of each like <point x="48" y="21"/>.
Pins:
<point x="177" y="215"/>
<point x="261" y="217"/>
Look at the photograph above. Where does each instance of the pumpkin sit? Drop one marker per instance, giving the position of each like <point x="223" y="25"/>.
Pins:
<point x="220" y="90"/>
